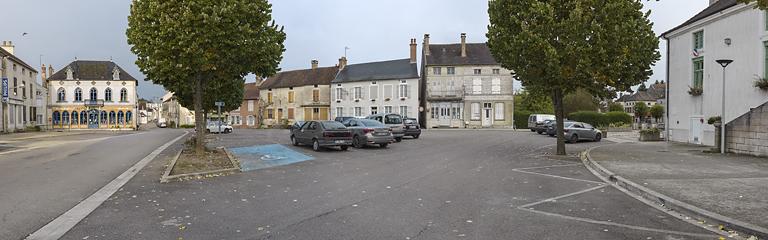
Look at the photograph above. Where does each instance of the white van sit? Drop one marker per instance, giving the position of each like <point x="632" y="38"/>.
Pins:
<point x="538" y="119"/>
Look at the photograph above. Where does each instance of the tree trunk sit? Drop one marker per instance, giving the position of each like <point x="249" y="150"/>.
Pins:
<point x="199" y="118"/>
<point x="557" y="99"/>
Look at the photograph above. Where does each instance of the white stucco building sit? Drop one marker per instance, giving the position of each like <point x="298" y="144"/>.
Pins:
<point x="724" y="30"/>
<point x="360" y="90"/>
<point x="23" y="100"/>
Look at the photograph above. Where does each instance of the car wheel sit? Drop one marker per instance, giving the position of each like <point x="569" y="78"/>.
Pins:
<point x="384" y="145"/>
<point x="574" y="138"/>
<point x="344" y="148"/>
<point x="539" y="132"/>
<point x="533" y="130"/>
<point x="315" y="145"/>
<point x="207" y="130"/>
<point x="294" y="141"/>
<point x="598" y="137"/>
<point x="400" y="139"/>
<point x="356" y="142"/>
<point x="416" y="136"/>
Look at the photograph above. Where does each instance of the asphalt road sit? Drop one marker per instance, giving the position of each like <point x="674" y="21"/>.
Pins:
<point x="445" y="185"/>
<point x="44" y="175"/>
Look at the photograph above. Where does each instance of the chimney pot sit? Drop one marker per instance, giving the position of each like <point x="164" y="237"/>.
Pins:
<point x="413" y="50"/>
<point x="314" y="64"/>
<point x="463" y="45"/>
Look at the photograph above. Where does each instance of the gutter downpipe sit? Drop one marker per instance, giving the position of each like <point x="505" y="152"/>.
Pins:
<point x="666" y="97"/>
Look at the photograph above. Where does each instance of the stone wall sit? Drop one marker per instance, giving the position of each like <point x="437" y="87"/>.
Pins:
<point x="748" y="134"/>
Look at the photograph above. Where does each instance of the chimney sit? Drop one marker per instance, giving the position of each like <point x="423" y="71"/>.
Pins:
<point x="8" y="46"/>
<point x="43" y="76"/>
<point x="426" y="44"/>
<point x="413" y="50"/>
<point x="463" y="45"/>
<point x="342" y="62"/>
<point x="314" y="64"/>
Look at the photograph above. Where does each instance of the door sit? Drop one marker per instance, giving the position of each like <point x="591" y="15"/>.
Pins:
<point x="696" y="130"/>
<point x="93" y="118"/>
<point x="445" y="114"/>
<point x="306" y="131"/>
<point x="487" y="115"/>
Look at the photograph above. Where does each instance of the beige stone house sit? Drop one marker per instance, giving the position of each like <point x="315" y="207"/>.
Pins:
<point x="246" y="116"/>
<point x="298" y="95"/>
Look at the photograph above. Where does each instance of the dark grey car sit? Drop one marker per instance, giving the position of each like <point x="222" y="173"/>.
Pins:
<point x="369" y="132"/>
<point x="320" y="134"/>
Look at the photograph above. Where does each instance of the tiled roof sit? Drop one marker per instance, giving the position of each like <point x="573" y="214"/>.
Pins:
<point x="251" y="91"/>
<point x="3" y="52"/>
<point x="304" y="77"/>
<point x="450" y="54"/>
<point x="91" y="70"/>
<point x="717" y="7"/>
<point x="655" y="92"/>
<point x="386" y="70"/>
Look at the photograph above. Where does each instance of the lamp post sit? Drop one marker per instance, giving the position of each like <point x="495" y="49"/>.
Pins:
<point x="724" y="63"/>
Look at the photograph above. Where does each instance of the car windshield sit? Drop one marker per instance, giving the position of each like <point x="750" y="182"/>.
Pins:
<point x="333" y="125"/>
<point x="568" y="124"/>
<point x="371" y="123"/>
<point x="393" y="119"/>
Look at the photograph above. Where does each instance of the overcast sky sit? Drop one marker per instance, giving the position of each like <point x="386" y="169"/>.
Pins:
<point x="62" y="30"/>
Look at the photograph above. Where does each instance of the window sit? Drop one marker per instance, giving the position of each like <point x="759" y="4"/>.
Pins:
<point x="61" y="95"/>
<point x="698" y="40"/>
<point x="478" y="71"/>
<point x="358" y="91"/>
<point x="251" y="120"/>
<point x="64" y="117"/>
<point x="698" y="72"/>
<point x="358" y="111"/>
<point x="374" y="110"/>
<point x="112" y="117"/>
<point x="279" y="113"/>
<point x="83" y="117"/>
<point x="437" y="70"/>
<point x="403" y="91"/>
<point x="339" y="111"/>
<point x="477" y="86"/>
<point x="496" y="71"/>
<point x="404" y="111"/>
<point x="316" y="95"/>
<point x="270" y="113"/>
<point x="433" y="112"/>
<point x="120" y="116"/>
<point x="23" y="93"/>
<point x="269" y="97"/>
<point x="15" y="83"/>
<point x="108" y="95"/>
<point x="291" y="96"/>
<point x="103" y="117"/>
<point x="388" y="91"/>
<point x="499" y="111"/>
<point x="74" y="117"/>
<point x="387" y="109"/>
<point x="475" y="111"/>
<point x="250" y="105"/>
<point x="374" y="92"/>
<point x="123" y="95"/>
<point x="496" y="86"/>
<point x="451" y="70"/>
<point x="339" y="94"/>
<point x="128" y="117"/>
<point x="316" y="114"/>
<point x="56" y="118"/>
<point x="291" y="114"/>
<point x="78" y="95"/>
<point x="93" y="94"/>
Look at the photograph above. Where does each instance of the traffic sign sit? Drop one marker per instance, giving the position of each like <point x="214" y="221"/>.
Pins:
<point x="5" y="89"/>
<point x="219" y="104"/>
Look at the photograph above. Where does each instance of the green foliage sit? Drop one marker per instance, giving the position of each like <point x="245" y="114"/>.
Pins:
<point x="521" y="119"/>
<point x="642" y="88"/>
<point x="761" y="83"/>
<point x="641" y="110"/>
<point x="187" y="126"/>
<point x="615" y="107"/>
<point x="533" y="102"/>
<point x="695" y="91"/>
<point x="650" y="131"/>
<point x="617" y="118"/>
<point x="657" y="111"/>
<point x="713" y="120"/>
<point x="580" y="100"/>
<point x="594" y="118"/>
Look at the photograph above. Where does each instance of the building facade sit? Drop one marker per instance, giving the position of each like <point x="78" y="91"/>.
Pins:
<point x="464" y="87"/>
<point x="92" y="95"/>
<point x="653" y="95"/>
<point x="247" y="115"/>
<point x="23" y="104"/>
<point x="365" y="89"/>
<point x="298" y="95"/>
<point x="173" y="114"/>
<point x="695" y="80"/>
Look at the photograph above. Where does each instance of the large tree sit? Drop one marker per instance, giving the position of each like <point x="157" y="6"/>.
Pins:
<point x="202" y="47"/>
<point x="558" y="46"/>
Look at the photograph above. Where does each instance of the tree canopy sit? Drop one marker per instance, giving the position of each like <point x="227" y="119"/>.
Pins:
<point x="558" y="46"/>
<point x="657" y="111"/>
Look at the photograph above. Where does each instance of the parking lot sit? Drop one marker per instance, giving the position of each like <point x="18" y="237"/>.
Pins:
<point x="448" y="184"/>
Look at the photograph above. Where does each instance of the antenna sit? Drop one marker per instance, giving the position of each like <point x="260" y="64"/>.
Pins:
<point x="345" y="51"/>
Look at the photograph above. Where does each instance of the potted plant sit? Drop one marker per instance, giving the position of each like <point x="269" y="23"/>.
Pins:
<point x="714" y="121"/>
<point x="651" y="134"/>
<point x="695" y="91"/>
<point x="762" y="83"/>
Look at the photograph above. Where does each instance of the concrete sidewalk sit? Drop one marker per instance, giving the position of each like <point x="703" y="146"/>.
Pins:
<point x="733" y="186"/>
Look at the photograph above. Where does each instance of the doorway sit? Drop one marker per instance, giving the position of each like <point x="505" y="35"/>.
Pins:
<point x="93" y="118"/>
<point x="487" y="115"/>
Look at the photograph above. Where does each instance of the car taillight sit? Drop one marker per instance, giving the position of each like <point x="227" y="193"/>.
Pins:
<point x="367" y="130"/>
<point x="327" y="134"/>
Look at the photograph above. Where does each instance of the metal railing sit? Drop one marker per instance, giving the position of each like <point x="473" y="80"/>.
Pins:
<point x="93" y="103"/>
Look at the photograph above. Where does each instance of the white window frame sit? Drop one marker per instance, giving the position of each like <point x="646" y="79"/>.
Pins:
<point x="358" y="91"/>
<point x="250" y="105"/>
<point x="374" y="110"/>
<point x="388" y="94"/>
<point x="358" y="111"/>
<point x="339" y="94"/>
<point x="475" y="107"/>
<point x="477" y="86"/>
<point x="387" y="109"/>
<point x="437" y="71"/>
<point x="402" y="90"/>
<point x="498" y="111"/>
<point x="496" y="86"/>
<point x="404" y="111"/>
<point x="450" y="70"/>
<point x="339" y="111"/>
<point x="374" y="89"/>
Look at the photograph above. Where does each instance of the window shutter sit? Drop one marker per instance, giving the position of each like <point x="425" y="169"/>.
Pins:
<point x="499" y="111"/>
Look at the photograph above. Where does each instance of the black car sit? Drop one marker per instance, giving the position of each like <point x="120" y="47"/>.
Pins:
<point x="321" y="134"/>
<point x="551" y="131"/>
<point x="541" y="128"/>
<point x="412" y="127"/>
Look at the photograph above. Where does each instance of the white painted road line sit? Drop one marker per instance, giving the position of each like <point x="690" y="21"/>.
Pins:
<point x="62" y="224"/>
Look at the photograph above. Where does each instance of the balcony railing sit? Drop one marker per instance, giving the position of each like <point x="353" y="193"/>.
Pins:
<point x="445" y="94"/>
<point x="93" y="103"/>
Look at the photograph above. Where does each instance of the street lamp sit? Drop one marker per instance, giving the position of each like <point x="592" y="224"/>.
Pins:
<point x="724" y="63"/>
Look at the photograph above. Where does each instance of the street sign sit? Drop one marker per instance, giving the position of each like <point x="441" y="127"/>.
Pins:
<point x="5" y="89"/>
<point x="219" y="104"/>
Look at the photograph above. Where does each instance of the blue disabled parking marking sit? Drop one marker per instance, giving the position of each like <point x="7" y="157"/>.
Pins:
<point x="266" y="156"/>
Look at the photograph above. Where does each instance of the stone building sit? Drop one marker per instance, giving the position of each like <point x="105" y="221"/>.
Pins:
<point x="92" y="95"/>
<point x="464" y="87"/>
<point x="298" y="95"/>
<point x="246" y="116"/>
<point x="173" y="114"/>
<point x="23" y="102"/>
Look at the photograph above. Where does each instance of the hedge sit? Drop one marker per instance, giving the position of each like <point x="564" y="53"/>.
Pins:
<point x="521" y="119"/>
<point x="618" y="118"/>
<point x="600" y="119"/>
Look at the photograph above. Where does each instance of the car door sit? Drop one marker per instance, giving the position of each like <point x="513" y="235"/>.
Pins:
<point x="578" y="129"/>
<point x="589" y="131"/>
<point x="305" y="133"/>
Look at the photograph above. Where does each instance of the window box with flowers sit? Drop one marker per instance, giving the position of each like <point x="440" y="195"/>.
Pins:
<point x="695" y="91"/>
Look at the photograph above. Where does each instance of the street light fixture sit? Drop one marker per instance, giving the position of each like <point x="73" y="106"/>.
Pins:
<point x="724" y="63"/>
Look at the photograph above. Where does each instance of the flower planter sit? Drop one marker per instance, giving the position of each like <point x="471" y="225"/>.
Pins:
<point x="650" y="136"/>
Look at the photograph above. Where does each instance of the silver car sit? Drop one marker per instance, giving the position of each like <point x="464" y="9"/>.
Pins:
<point x="369" y="132"/>
<point x="393" y="121"/>
<point x="577" y="131"/>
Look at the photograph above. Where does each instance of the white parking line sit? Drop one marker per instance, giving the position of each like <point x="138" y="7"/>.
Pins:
<point x="62" y="224"/>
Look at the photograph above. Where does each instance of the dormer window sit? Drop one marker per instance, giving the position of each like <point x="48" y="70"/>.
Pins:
<point x="115" y="73"/>
<point x="70" y="74"/>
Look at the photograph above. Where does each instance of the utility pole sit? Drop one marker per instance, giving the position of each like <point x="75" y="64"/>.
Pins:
<point x="219" y="105"/>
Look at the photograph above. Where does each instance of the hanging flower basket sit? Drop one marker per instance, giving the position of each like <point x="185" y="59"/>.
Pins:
<point x="695" y="91"/>
<point x="762" y="83"/>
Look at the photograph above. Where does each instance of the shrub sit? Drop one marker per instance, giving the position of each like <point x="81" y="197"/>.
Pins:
<point x="615" y="107"/>
<point x="521" y="119"/>
<point x="594" y="118"/>
<point x="187" y="126"/>
<point x="617" y="118"/>
<point x="761" y="83"/>
<point x="650" y="131"/>
<point x="695" y="91"/>
<point x="713" y="120"/>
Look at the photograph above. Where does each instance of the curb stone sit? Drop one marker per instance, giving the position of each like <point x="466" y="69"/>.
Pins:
<point x="167" y="177"/>
<point x="671" y="205"/>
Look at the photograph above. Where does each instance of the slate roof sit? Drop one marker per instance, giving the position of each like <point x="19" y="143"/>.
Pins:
<point x="450" y="54"/>
<point x="385" y="70"/>
<point x="655" y="92"/>
<point x="251" y="91"/>
<point x="91" y="70"/>
<point x="298" y="78"/>
<point x="717" y="7"/>
<point x="3" y="52"/>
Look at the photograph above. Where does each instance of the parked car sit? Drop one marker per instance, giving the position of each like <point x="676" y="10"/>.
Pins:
<point x="369" y="132"/>
<point x="343" y="119"/>
<point x="412" y="127"/>
<point x="320" y="134"/>
<point x="542" y="127"/>
<point x="534" y="119"/>
<point x="393" y="121"/>
<point x="162" y="125"/>
<point x="296" y="125"/>
<point x="551" y="131"/>
<point x="213" y="127"/>
<point x="577" y="131"/>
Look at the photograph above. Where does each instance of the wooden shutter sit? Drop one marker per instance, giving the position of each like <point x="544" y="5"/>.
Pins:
<point x="323" y="114"/>
<point x="290" y="114"/>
